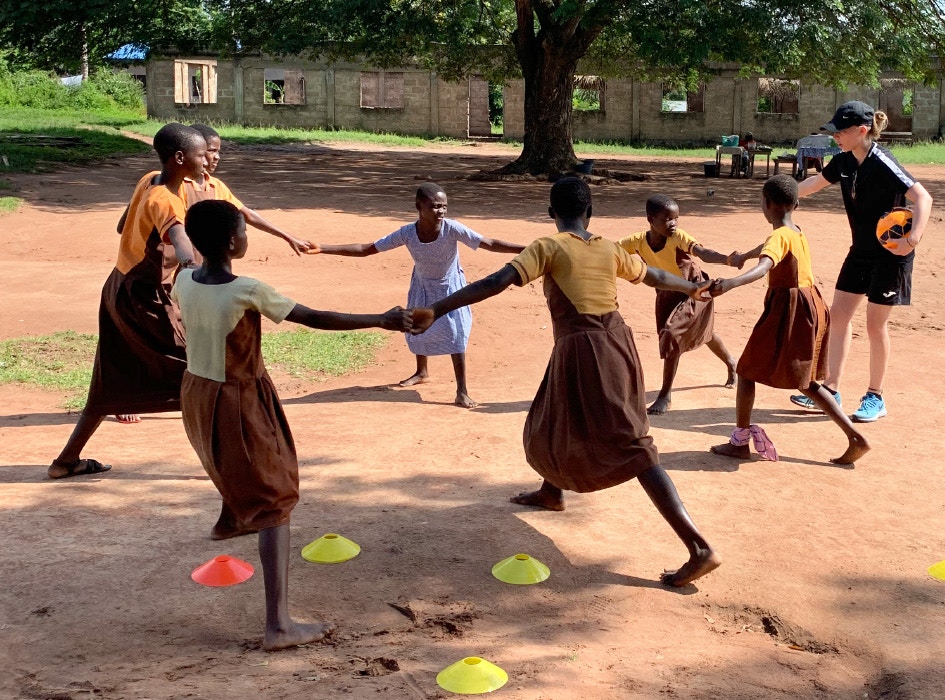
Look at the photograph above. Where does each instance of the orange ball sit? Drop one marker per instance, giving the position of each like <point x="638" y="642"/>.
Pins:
<point x="893" y="228"/>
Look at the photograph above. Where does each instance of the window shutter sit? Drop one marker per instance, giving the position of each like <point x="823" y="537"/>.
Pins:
<point x="181" y="83"/>
<point x="369" y="89"/>
<point x="294" y="87"/>
<point x="394" y="90"/>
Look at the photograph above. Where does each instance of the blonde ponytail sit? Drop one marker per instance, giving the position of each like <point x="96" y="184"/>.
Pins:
<point x="880" y="121"/>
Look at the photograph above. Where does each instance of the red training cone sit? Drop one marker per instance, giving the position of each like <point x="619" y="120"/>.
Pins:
<point x="222" y="571"/>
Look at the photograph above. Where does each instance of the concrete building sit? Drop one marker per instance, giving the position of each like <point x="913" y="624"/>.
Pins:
<point x="295" y="92"/>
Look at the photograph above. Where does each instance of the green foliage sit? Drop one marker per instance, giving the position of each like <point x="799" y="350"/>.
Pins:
<point x="585" y="100"/>
<point x="50" y="35"/>
<point x="104" y="90"/>
<point x="496" y="104"/>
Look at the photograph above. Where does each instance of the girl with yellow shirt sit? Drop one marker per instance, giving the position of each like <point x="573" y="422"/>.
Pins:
<point x="788" y="345"/>
<point x="587" y="426"/>
<point x="683" y="324"/>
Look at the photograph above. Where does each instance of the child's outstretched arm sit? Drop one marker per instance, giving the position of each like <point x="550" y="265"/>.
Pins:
<point x="397" y="319"/>
<point x="713" y="256"/>
<point x="720" y="286"/>
<point x="494" y="245"/>
<point x="738" y="259"/>
<point x="355" y="250"/>
<point x="297" y="244"/>
<point x="477" y="291"/>
<point x="661" y="279"/>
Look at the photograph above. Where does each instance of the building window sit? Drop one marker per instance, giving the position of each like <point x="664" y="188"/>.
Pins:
<point x="678" y="99"/>
<point x="382" y="90"/>
<point x="779" y="96"/>
<point x="195" y="82"/>
<point x="588" y="94"/>
<point x="283" y="87"/>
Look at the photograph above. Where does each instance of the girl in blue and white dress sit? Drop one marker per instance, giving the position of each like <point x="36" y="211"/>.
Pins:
<point x="432" y="243"/>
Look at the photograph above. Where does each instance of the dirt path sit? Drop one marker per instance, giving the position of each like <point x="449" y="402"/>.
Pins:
<point x="823" y="592"/>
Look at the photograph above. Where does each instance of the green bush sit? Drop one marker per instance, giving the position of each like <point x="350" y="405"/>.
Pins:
<point x="105" y="90"/>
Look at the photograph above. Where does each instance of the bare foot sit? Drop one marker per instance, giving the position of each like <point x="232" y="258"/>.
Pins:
<point x="418" y="378"/>
<point x="539" y="499"/>
<point x="462" y="399"/>
<point x="727" y="449"/>
<point x="699" y="564"/>
<point x="730" y="381"/>
<point x="297" y="633"/>
<point x="127" y="417"/>
<point x="858" y="447"/>
<point x="660" y="406"/>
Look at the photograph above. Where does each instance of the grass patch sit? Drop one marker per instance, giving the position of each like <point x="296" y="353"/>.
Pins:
<point x="63" y="361"/>
<point x="305" y="353"/>
<point x="34" y="139"/>
<point x="255" y="136"/>
<point x="9" y="204"/>
<point x="59" y="362"/>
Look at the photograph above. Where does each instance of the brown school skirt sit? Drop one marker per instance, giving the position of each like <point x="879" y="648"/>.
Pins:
<point x="587" y="426"/>
<point x="684" y="324"/>
<point x="787" y="348"/>
<point x="242" y="438"/>
<point x="140" y="358"/>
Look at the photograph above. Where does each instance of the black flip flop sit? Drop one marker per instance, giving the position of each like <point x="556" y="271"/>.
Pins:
<point x="81" y="467"/>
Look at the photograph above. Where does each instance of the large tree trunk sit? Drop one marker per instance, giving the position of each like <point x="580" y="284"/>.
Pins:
<point x="549" y="85"/>
<point x="549" y="60"/>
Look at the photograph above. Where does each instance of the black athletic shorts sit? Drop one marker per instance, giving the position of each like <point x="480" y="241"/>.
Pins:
<point x="886" y="281"/>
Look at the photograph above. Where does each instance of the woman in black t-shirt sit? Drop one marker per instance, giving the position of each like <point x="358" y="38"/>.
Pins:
<point x="872" y="182"/>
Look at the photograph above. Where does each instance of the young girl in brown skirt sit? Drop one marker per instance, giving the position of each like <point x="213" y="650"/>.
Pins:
<point x="230" y="408"/>
<point x="683" y="324"/>
<point x="787" y="348"/>
<point x="587" y="427"/>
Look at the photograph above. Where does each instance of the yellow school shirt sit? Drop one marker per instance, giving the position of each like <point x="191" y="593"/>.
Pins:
<point x="664" y="259"/>
<point x="586" y="271"/>
<point x="786" y="240"/>
<point x="213" y="188"/>
<point x="152" y="208"/>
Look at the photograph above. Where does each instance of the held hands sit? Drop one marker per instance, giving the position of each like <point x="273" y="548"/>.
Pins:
<point x="735" y="259"/>
<point x="398" y="319"/>
<point x="701" y="292"/>
<point x="720" y="286"/>
<point x="422" y="320"/>
<point x="300" y="245"/>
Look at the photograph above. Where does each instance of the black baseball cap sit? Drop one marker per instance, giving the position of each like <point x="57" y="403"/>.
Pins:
<point x="849" y="114"/>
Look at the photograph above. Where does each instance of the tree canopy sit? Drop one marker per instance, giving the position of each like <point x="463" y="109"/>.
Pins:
<point x="62" y="35"/>
<point x="832" y="42"/>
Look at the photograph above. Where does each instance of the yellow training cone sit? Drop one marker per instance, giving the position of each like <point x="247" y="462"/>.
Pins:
<point x="521" y="569"/>
<point x="938" y="570"/>
<point x="330" y="549"/>
<point x="470" y="676"/>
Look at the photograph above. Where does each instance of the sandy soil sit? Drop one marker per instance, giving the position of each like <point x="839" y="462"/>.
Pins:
<point x="823" y="592"/>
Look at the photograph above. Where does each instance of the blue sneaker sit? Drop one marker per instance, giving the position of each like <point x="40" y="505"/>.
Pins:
<point x="872" y="407"/>
<point x="804" y="402"/>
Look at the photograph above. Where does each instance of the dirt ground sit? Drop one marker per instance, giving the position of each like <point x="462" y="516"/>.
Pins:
<point x="823" y="592"/>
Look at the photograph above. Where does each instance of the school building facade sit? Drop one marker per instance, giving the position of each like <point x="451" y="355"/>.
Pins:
<point x="296" y="92"/>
